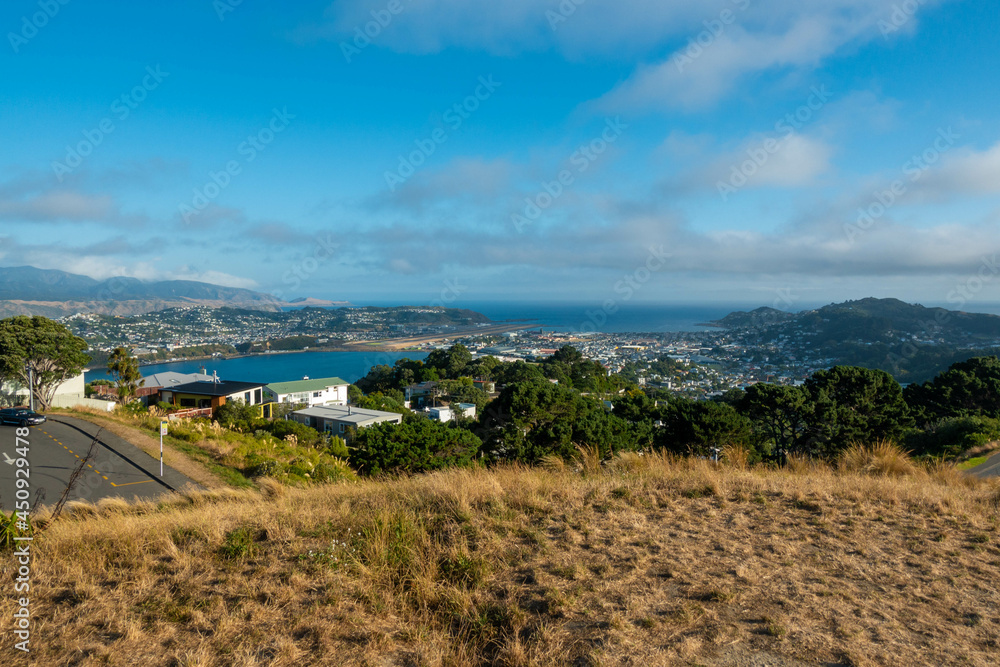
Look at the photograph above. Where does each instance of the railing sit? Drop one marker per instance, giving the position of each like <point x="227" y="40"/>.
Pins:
<point x="190" y="413"/>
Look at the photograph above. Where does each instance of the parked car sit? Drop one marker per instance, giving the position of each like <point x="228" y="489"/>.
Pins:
<point x="21" y="417"/>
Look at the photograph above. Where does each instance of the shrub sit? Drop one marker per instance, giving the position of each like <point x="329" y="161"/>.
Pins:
<point x="416" y="446"/>
<point x="257" y="467"/>
<point x="951" y="437"/>
<point x="238" y="544"/>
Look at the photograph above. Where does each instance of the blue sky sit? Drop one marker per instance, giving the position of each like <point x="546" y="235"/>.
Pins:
<point x="646" y="151"/>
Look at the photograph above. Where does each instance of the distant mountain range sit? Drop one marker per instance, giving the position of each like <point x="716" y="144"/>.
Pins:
<point x="26" y="290"/>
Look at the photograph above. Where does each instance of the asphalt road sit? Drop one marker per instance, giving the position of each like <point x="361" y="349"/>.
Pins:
<point x="55" y="449"/>
<point x="991" y="468"/>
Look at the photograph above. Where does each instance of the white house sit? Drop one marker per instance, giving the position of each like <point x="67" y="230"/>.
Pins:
<point x="322" y="391"/>
<point x="339" y="419"/>
<point x="446" y="414"/>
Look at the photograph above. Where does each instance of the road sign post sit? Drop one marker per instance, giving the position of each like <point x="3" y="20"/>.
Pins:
<point x="163" y="432"/>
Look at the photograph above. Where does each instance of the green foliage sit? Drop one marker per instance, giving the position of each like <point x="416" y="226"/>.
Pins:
<point x="967" y="389"/>
<point x="414" y="446"/>
<point x="852" y="405"/>
<point x="9" y="531"/>
<point x="779" y="413"/>
<point x="386" y="402"/>
<point x="531" y="420"/>
<point x="282" y="428"/>
<point x="124" y="370"/>
<point x="48" y="348"/>
<point x="463" y="391"/>
<point x="450" y="363"/>
<point x="952" y="436"/>
<point x="571" y="369"/>
<point x="238" y="416"/>
<point x="697" y="427"/>
<point x="239" y="544"/>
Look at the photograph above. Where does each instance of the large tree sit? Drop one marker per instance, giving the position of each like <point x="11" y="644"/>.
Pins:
<point x="124" y="370"/>
<point x="967" y="389"/>
<point x="42" y="350"/>
<point x="851" y="404"/>
<point x="779" y="413"/>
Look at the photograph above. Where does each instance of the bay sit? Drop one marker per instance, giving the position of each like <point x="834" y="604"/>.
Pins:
<point x="279" y="367"/>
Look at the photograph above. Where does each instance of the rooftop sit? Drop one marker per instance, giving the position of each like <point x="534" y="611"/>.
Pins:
<point x="297" y="386"/>
<point x="220" y="388"/>
<point x="348" y="413"/>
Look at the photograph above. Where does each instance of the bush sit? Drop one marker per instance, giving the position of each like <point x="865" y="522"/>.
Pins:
<point x="950" y="437"/>
<point x="257" y="467"/>
<point x="304" y="435"/>
<point x="415" y="446"/>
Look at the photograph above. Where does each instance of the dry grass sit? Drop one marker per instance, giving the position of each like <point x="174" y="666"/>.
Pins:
<point x="650" y="560"/>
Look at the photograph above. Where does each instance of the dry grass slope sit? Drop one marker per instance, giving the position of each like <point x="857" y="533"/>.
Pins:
<point x="643" y="561"/>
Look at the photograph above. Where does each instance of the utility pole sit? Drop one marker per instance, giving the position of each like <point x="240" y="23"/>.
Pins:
<point x="31" y="389"/>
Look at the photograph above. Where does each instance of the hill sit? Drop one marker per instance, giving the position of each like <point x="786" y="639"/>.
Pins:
<point x="910" y="341"/>
<point x="647" y="560"/>
<point x="26" y="290"/>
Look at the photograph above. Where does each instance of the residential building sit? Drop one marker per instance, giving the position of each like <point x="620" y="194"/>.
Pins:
<point x="447" y="413"/>
<point x="340" y="418"/>
<point x="322" y="391"/>
<point x="213" y="394"/>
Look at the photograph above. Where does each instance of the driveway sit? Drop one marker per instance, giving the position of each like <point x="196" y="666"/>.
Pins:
<point x="55" y="448"/>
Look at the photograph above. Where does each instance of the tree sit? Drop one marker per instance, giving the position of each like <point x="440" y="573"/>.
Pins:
<point x="414" y="446"/>
<point x="530" y="420"/>
<point x="779" y="413"/>
<point x="124" y="370"/>
<point x="852" y="404"/>
<point x="379" y="378"/>
<point x="970" y="388"/>
<point x="44" y="350"/>
<point x="697" y="427"/>
<point x="451" y="363"/>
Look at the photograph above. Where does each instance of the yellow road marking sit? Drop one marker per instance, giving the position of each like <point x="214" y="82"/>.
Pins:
<point x="147" y="481"/>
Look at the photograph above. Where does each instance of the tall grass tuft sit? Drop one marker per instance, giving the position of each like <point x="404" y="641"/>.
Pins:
<point x="589" y="457"/>
<point x="736" y="456"/>
<point x="884" y="458"/>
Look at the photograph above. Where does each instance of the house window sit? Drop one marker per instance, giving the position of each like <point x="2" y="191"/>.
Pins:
<point x="343" y="428"/>
<point x="246" y="398"/>
<point x="317" y="394"/>
<point x="188" y="403"/>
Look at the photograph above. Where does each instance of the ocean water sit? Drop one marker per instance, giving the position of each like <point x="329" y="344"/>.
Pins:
<point x="269" y="368"/>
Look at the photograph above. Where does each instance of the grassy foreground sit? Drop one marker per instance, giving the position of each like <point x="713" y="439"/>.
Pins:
<point x="643" y="561"/>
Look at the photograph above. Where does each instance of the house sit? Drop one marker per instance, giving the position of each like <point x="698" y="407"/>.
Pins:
<point x="446" y="414"/>
<point x="12" y="393"/>
<point x="322" y="391"/>
<point x="340" y="418"/>
<point x="152" y="384"/>
<point x="421" y="394"/>
<point x="213" y="393"/>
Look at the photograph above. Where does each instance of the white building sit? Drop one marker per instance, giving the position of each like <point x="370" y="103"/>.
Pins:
<point x="338" y="419"/>
<point x="322" y="391"/>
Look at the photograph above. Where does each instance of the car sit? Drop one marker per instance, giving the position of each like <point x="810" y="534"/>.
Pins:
<point x="21" y="417"/>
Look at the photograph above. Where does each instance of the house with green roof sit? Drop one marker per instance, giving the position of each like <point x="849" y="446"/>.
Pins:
<point x="321" y="391"/>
